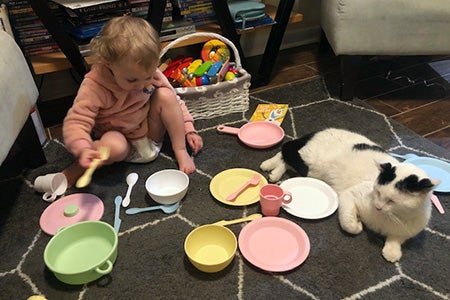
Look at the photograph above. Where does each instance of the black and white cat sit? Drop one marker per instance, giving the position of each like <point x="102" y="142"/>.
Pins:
<point x="374" y="189"/>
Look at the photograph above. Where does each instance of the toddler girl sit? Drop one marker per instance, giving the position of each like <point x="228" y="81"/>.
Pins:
<point x="126" y="104"/>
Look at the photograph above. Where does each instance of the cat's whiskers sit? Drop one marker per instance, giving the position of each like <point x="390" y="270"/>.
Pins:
<point x="397" y="220"/>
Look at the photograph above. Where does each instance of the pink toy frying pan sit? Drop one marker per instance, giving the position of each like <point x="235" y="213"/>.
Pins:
<point x="257" y="134"/>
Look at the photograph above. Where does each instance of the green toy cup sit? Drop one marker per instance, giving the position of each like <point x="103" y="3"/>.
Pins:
<point x="82" y="252"/>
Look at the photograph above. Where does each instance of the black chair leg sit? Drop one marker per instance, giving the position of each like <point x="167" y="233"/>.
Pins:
<point x="324" y="45"/>
<point x="25" y="153"/>
<point x="350" y="66"/>
<point x="29" y="141"/>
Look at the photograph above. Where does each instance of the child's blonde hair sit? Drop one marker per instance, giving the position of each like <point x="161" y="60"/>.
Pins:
<point x="127" y="36"/>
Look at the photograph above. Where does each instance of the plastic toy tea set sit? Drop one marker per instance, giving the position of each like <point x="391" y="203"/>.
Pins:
<point x="210" y="247"/>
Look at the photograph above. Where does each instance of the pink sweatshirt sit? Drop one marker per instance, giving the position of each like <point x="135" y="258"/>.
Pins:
<point x="101" y="105"/>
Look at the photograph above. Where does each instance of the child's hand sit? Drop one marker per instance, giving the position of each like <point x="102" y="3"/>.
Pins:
<point x="86" y="157"/>
<point x="195" y="142"/>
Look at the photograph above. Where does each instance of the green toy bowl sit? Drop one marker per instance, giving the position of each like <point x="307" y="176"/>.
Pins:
<point x="82" y="252"/>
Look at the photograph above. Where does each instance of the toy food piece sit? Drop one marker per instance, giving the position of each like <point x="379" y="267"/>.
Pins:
<point x="214" y="69"/>
<point x="175" y="64"/>
<point x="215" y="50"/>
<point x="223" y="71"/>
<point x="193" y="66"/>
<point x="230" y="76"/>
<point x="213" y="72"/>
<point x="204" y="67"/>
<point x="179" y="68"/>
<point x="164" y="65"/>
<point x="203" y="80"/>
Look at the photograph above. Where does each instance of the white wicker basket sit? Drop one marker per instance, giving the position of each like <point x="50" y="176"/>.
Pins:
<point x="209" y="101"/>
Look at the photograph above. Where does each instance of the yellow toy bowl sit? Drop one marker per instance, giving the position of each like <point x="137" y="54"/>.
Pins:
<point x="210" y="248"/>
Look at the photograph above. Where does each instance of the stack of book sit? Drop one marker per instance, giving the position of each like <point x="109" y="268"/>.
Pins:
<point x="84" y="19"/>
<point x="28" y="29"/>
<point x="139" y="8"/>
<point x="199" y="11"/>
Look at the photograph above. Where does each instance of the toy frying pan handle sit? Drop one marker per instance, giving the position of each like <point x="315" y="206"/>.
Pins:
<point x="227" y="129"/>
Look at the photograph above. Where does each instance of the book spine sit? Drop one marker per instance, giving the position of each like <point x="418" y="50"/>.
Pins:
<point x="101" y="8"/>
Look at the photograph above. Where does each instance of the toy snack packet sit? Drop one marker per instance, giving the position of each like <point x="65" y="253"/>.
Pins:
<point x="270" y="112"/>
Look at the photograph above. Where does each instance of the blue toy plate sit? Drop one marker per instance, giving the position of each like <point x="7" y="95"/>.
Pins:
<point x="436" y="169"/>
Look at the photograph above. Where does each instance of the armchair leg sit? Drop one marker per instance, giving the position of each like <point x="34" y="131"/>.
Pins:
<point x="29" y="142"/>
<point x="25" y="153"/>
<point x="350" y="66"/>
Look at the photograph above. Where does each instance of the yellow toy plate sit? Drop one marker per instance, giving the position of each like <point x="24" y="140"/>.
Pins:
<point x="228" y="181"/>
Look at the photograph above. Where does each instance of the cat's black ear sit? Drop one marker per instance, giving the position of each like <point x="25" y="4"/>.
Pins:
<point x="387" y="172"/>
<point x="385" y="166"/>
<point x="412" y="184"/>
<point x="427" y="184"/>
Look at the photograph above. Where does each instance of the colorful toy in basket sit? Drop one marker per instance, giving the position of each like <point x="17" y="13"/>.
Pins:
<point x="219" y="97"/>
<point x="213" y="67"/>
<point x="215" y="50"/>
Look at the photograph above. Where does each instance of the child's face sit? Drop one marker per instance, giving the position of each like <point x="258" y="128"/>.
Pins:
<point x="130" y="76"/>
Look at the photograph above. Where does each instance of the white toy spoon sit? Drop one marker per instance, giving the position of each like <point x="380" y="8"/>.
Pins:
<point x="131" y="181"/>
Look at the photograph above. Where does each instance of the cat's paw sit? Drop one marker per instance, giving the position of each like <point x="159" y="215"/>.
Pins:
<point x="277" y="173"/>
<point x="392" y="252"/>
<point x="265" y="165"/>
<point x="353" y="227"/>
<point x="272" y="163"/>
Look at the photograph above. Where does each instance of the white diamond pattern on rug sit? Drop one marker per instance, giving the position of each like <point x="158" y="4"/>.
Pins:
<point x="157" y="267"/>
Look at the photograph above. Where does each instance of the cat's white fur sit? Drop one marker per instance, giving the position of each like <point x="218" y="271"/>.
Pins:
<point x="383" y="208"/>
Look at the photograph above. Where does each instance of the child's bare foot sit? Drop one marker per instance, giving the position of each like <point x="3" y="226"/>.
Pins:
<point x="185" y="162"/>
<point x="72" y="173"/>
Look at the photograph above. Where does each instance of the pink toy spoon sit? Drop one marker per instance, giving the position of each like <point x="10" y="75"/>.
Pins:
<point x="252" y="182"/>
<point x="437" y="203"/>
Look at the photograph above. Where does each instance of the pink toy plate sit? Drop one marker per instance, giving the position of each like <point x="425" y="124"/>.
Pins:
<point x="69" y="210"/>
<point x="257" y="134"/>
<point x="274" y="244"/>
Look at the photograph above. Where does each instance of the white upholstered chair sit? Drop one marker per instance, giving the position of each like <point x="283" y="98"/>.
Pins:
<point x="19" y="143"/>
<point x="383" y="27"/>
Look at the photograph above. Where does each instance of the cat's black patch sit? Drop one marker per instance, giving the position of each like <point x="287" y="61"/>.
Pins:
<point x="387" y="174"/>
<point x="291" y="155"/>
<point x="362" y="147"/>
<point x="412" y="184"/>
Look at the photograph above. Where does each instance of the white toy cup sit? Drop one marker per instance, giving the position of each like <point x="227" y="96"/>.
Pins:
<point x="52" y="185"/>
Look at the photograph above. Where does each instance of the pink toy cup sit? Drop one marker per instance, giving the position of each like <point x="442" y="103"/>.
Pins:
<point x="271" y="197"/>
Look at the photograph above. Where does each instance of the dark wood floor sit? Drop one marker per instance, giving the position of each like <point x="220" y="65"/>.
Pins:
<point x="407" y="89"/>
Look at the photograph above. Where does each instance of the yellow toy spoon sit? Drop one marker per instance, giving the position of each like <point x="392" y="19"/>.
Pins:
<point x="244" y="219"/>
<point x="86" y="178"/>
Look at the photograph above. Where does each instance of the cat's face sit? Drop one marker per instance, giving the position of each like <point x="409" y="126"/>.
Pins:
<point x="402" y="188"/>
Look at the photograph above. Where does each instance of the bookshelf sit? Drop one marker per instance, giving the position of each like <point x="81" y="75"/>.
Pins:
<point x="70" y="56"/>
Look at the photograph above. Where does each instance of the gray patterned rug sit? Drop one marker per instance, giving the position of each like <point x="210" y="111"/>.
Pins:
<point x="151" y="263"/>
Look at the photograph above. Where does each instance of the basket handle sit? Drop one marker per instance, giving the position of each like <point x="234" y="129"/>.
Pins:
<point x="204" y="34"/>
